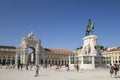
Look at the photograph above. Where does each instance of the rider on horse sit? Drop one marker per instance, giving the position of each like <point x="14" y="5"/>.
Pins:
<point x="90" y="27"/>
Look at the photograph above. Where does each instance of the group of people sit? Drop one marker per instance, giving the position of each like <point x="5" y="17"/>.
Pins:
<point x="27" y="66"/>
<point x="20" y="66"/>
<point x="114" y="70"/>
<point x="9" y="66"/>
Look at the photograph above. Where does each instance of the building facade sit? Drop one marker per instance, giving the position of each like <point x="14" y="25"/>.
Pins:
<point x="111" y="56"/>
<point x="7" y="55"/>
<point x="58" y="56"/>
<point x="40" y="55"/>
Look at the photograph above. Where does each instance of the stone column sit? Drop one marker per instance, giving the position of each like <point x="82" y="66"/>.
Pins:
<point x="16" y="59"/>
<point x="118" y="60"/>
<point x="37" y="54"/>
<point x="60" y="62"/>
<point x="36" y="63"/>
<point x="21" y="58"/>
<point x="6" y="61"/>
<point x="37" y="59"/>
<point x="93" y="60"/>
<point x="44" y="60"/>
<point x="54" y="61"/>
<point x="11" y="61"/>
<point x="81" y="60"/>
<point x="24" y="59"/>
<point x="112" y="60"/>
<point x="32" y="57"/>
<point x="57" y="61"/>
<point x="69" y="59"/>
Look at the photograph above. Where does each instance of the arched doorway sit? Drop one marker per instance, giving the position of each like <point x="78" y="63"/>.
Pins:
<point x="8" y="61"/>
<point x="13" y="61"/>
<point x="41" y="62"/>
<point x="56" y="62"/>
<point x="62" y="62"/>
<point x="31" y="55"/>
<point x="4" y="62"/>
<point x="0" y="61"/>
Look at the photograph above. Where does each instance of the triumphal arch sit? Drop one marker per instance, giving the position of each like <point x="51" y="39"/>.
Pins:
<point x="24" y="56"/>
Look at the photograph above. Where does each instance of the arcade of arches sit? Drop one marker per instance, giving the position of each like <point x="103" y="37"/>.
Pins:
<point x="7" y="55"/>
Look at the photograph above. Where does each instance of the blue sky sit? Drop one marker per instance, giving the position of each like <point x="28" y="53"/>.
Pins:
<point x="59" y="23"/>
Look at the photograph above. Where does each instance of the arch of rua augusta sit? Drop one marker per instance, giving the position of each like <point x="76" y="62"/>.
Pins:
<point x="22" y="55"/>
<point x="40" y="55"/>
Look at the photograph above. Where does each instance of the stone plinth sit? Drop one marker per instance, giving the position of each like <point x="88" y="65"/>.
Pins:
<point x="90" y="45"/>
<point x="88" y="53"/>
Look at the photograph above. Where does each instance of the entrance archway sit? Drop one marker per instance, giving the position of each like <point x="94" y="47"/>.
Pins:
<point x="31" y="55"/>
<point x="29" y="43"/>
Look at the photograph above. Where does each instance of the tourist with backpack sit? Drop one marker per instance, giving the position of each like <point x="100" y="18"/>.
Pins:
<point x="116" y="70"/>
<point x="111" y="70"/>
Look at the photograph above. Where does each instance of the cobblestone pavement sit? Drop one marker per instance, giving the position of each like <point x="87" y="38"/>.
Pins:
<point x="52" y="74"/>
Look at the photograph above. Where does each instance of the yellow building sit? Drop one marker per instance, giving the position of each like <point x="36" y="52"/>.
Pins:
<point x="58" y="56"/>
<point x="51" y="56"/>
<point x="7" y="55"/>
<point x="112" y="56"/>
<point x="36" y="55"/>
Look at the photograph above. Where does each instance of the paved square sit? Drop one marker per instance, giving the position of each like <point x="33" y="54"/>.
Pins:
<point x="52" y="74"/>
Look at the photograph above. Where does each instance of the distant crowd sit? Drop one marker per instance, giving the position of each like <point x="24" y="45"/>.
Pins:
<point x="45" y="66"/>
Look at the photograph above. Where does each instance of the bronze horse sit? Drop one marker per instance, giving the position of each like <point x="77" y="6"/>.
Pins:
<point x="90" y="28"/>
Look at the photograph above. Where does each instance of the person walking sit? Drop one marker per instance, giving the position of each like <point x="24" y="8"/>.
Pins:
<point x="116" y="70"/>
<point x="27" y="67"/>
<point x="77" y="66"/>
<point x="18" y="66"/>
<point x="111" y="69"/>
<point x="37" y="71"/>
<point x="68" y="68"/>
<point x="21" y="66"/>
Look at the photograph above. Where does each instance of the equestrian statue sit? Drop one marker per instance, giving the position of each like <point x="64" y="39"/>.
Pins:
<point x="90" y="27"/>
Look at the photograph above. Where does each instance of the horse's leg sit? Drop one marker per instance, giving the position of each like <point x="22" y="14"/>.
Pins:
<point x="88" y="33"/>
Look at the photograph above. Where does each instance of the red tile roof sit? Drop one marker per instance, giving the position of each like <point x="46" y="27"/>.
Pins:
<point x="114" y="49"/>
<point x="8" y="47"/>
<point x="58" y="50"/>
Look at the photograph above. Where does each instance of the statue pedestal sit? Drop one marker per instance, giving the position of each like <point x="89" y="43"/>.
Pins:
<point x="87" y="62"/>
<point x="86" y="58"/>
<point x="90" y="45"/>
